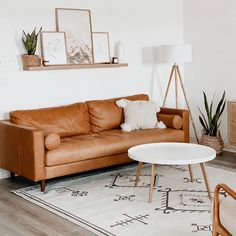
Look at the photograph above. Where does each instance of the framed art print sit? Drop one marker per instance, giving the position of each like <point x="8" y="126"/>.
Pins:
<point x="53" y="46"/>
<point x="76" y="23"/>
<point x="101" y="48"/>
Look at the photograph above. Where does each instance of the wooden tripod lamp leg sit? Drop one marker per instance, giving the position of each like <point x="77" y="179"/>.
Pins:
<point x="187" y="103"/>
<point x="176" y="88"/>
<point x="168" y="85"/>
<point x="175" y="69"/>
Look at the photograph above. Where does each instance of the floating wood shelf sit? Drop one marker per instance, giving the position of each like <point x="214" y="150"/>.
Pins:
<point x="76" y="66"/>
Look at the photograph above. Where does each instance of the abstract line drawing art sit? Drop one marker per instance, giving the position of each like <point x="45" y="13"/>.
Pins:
<point x="77" y="25"/>
<point x="101" y="47"/>
<point x="54" y="48"/>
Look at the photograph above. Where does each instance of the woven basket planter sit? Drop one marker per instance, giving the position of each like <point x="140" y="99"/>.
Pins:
<point x="215" y="142"/>
<point x="30" y="60"/>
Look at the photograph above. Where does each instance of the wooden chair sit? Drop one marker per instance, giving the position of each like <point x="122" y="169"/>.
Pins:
<point x="224" y="212"/>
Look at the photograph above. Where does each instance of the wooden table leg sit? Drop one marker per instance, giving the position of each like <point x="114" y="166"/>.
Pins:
<point x="205" y="178"/>
<point x="140" y="164"/>
<point x="190" y="172"/>
<point x="152" y="178"/>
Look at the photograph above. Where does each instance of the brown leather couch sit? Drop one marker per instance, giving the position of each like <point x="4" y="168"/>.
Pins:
<point x="90" y="138"/>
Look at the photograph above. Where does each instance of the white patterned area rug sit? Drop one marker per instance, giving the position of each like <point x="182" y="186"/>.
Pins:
<point x="107" y="203"/>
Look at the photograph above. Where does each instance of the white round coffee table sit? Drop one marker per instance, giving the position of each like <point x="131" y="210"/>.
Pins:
<point x="171" y="154"/>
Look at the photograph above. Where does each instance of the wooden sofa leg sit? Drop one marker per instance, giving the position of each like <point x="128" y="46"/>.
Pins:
<point x="43" y="185"/>
<point x="12" y="176"/>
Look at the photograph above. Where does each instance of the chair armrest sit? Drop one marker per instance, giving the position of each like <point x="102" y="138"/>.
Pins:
<point x="216" y="213"/>
<point x="185" y="116"/>
<point x="227" y="189"/>
<point x="22" y="150"/>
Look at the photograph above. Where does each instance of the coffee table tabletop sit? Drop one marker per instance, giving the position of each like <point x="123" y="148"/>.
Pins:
<point x="171" y="154"/>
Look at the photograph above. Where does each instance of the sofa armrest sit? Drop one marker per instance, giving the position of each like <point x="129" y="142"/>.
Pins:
<point x="22" y="150"/>
<point x="185" y="116"/>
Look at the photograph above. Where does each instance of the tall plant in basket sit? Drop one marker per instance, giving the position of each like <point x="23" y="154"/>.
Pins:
<point x="210" y="122"/>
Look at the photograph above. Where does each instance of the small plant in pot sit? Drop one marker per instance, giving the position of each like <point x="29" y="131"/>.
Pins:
<point x="211" y="135"/>
<point x="30" y="42"/>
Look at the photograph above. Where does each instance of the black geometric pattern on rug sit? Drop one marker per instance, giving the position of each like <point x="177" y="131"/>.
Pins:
<point x="189" y="201"/>
<point x="129" y="198"/>
<point x="176" y="167"/>
<point x="131" y="219"/>
<point x="188" y="180"/>
<point x="74" y="193"/>
<point x="199" y="228"/>
<point x="127" y="181"/>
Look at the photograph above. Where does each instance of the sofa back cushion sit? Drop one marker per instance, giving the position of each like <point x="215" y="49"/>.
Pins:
<point x="64" y="120"/>
<point x="106" y="115"/>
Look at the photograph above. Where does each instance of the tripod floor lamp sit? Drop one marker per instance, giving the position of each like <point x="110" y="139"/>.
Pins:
<point x="176" y="54"/>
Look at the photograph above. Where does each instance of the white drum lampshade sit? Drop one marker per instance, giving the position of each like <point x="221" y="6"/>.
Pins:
<point x="174" y="53"/>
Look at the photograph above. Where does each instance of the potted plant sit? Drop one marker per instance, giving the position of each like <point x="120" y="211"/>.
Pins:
<point x="30" y="42"/>
<point x="211" y="135"/>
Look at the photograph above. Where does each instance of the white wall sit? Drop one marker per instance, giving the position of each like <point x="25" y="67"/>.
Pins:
<point x="210" y="26"/>
<point x="140" y="25"/>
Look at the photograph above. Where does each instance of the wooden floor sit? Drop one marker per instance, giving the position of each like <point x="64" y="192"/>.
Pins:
<point x="19" y="217"/>
<point x="226" y="160"/>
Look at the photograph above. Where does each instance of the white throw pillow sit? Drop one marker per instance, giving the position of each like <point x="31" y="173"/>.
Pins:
<point x="139" y="115"/>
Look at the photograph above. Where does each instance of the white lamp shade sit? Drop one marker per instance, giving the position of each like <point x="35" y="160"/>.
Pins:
<point x="174" y="53"/>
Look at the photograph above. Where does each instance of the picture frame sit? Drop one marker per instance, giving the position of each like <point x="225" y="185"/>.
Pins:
<point x="101" y="47"/>
<point x="53" y="46"/>
<point x="76" y="23"/>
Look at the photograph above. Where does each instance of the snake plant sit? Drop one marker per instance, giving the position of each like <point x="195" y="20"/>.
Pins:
<point x="210" y="122"/>
<point x="30" y="41"/>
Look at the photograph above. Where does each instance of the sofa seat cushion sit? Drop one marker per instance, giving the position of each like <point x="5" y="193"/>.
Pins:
<point x="88" y="146"/>
<point x="62" y="120"/>
<point x="228" y="214"/>
<point x="106" y="115"/>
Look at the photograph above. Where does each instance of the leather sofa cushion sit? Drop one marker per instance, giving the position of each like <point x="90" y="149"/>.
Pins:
<point x="228" y="214"/>
<point x="89" y="146"/>
<point x="106" y="115"/>
<point x="63" y="120"/>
